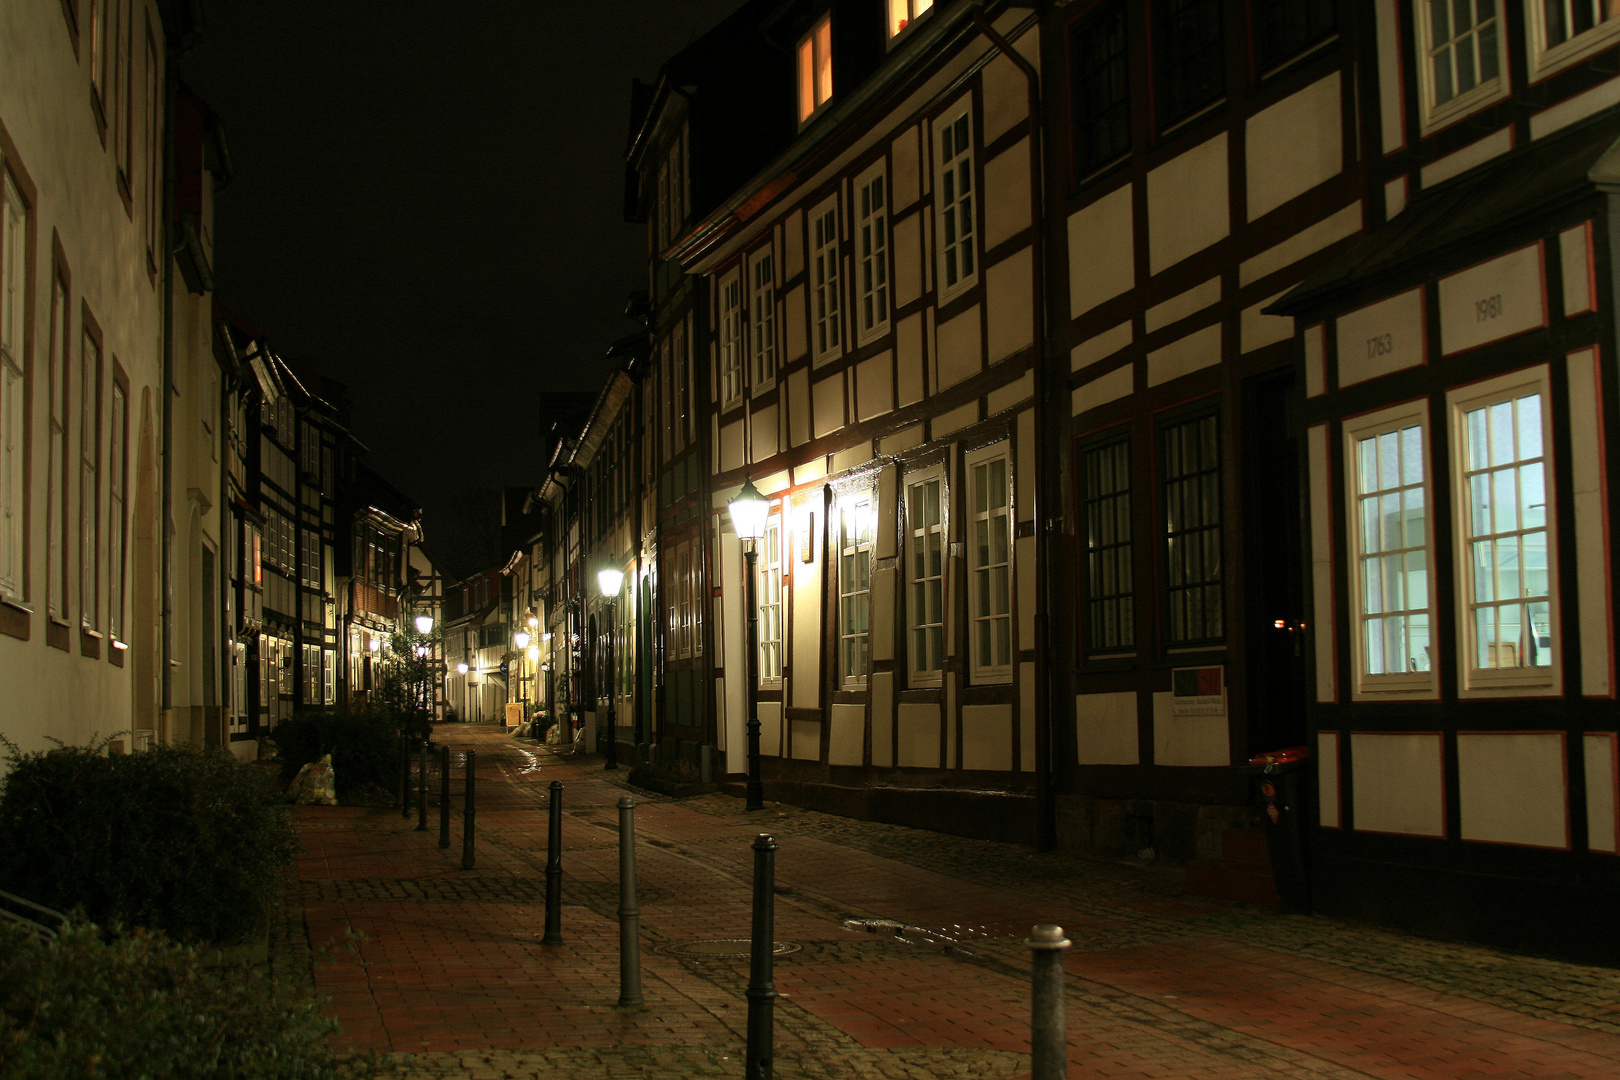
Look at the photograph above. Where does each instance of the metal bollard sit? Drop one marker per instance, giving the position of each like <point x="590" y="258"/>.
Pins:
<point x="629" y="914"/>
<point x="761" y="985"/>
<point x="421" y="786"/>
<point x="1048" y="1040"/>
<point x="404" y="778"/>
<point x="444" y="797"/>
<point x="553" y="935"/>
<point x="469" y="812"/>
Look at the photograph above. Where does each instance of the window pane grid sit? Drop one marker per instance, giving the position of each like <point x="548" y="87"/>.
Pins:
<point x="1393" y="537"/>
<point x="1101" y="90"/>
<point x="1287" y="27"/>
<point x="1564" y="19"/>
<point x="1462" y="46"/>
<point x="1109" y="589"/>
<point x="89" y="480"/>
<point x="764" y="315"/>
<point x="872" y="234"/>
<point x="1192" y="531"/>
<point x="925" y="614"/>
<point x="12" y="291"/>
<point x="854" y="588"/>
<point x="1506" y="523"/>
<point x="1193" y="68"/>
<point x="770" y="603"/>
<point x="827" y="312"/>
<point x="956" y="191"/>
<point x="990" y="565"/>
<point x="731" y="373"/>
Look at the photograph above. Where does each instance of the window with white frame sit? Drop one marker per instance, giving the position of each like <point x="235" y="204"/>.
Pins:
<point x="903" y="12"/>
<point x="1562" y="31"/>
<point x="1504" y="524"/>
<point x="854" y="589"/>
<point x="872" y="254"/>
<point x="770" y="603"/>
<point x="824" y="279"/>
<point x="117" y="464"/>
<point x="682" y="628"/>
<point x="731" y="338"/>
<point x="89" y="480"/>
<point x="989" y="522"/>
<point x="956" y="258"/>
<point x="1388" y="491"/>
<point x="57" y="466"/>
<point x="328" y="676"/>
<point x="925" y="558"/>
<point x="13" y="372"/>
<point x="815" y="68"/>
<point x="762" y="310"/>
<point x="1463" y="56"/>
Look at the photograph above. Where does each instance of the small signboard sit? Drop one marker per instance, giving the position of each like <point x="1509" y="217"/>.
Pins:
<point x="1198" y="691"/>
<point x="514" y="713"/>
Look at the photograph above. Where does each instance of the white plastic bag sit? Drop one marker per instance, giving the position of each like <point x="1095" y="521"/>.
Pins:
<point x="315" y="784"/>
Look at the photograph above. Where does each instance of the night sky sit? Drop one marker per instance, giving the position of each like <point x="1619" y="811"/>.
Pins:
<point x="427" y="206"/>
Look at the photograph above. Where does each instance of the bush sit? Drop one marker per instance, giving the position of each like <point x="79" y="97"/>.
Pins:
<point x="364" y="748"/>
<point x="138" y="1005"/>
<point x="171" y="839"/>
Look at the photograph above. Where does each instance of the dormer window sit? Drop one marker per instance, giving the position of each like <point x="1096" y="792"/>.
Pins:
<point x="815" y="68"/>
<point x="903" y="12"/>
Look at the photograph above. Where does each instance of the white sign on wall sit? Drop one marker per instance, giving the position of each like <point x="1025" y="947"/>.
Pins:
<point x="1381" y="338"/>
<point x="1493" y="300"/>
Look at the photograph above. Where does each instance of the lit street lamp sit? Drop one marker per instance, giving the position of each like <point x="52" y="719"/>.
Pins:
<point x="424" y="624"/>
<point x="610" y="581"/>
<point x="748" y="509"/>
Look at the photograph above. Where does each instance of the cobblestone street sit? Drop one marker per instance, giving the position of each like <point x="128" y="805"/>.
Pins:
<point x="907" y="954"/>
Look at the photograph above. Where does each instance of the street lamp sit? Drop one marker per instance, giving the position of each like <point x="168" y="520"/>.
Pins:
<point x="610" y="581"/>
<point x="748" y="509"/>
<point x="521" y="639"/>
<point x="461" y="668"/>
<point x="424" y="624"/>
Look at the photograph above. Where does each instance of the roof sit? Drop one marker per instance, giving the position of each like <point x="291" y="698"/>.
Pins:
<point x="1442" y="223"/>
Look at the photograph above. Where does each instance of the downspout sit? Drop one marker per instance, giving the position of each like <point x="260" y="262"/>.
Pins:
<point x="171" y="93"/>
<point x="1045" y="750"/>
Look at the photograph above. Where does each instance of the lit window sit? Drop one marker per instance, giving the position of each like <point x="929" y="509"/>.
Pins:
<point x="854" y="590"/>
<point x="925" y="555"/>
<point x="1390" y="537"/>
<point x="1190" y="465"/>
<point x="1462" y="42"/>
<point x="872" y="254"/>
<point x="762" y="307"/>
<point x="989" y="522"/>
<point x="731" y="345"/>
<point x="1505" y="526"/>
<point x="1109" y="598"/>
<point x="902" y="12"/>
<point x="957" y="264"/>
<point x="13" y="369"/>
<point x="824" y="280"/>
<point x="770" y="603"/>
<point x="815" y="68"/>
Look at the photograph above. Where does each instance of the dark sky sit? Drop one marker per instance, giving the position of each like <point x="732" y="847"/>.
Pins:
<point x="427" y="206"/>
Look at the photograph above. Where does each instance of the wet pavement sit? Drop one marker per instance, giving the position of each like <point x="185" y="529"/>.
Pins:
<point x="902" y="955"/>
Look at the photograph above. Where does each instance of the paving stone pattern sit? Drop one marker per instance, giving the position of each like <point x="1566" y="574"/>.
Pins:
<point x="909" y="962"/>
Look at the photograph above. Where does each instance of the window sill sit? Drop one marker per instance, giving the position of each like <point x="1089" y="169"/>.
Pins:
<point x="16" y="604"/>
<point x="1440" y="117"/>
<point x="1545" y="63"/>
<point x="1304" y="54"/>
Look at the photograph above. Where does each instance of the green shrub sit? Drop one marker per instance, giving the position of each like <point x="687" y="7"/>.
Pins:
<point x="140" y="1005"/>
<point x="364" y="748"/>
<point x="171" y="839"/>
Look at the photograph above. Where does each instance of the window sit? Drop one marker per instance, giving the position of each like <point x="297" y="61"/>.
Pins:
<point x="815" y="68"/>
<point x="1462" y="43"/>
<point x="1389" y="503"/>
<point x="99" y="39"/>
<point x="1100" y="89"/>
<point x="872" y="254"/>
<point x="824" y="269"/>
<point x="770" y="603"/>
<point x="1566" y="30"/>
<point x="1191" y="67"/>
<point x="925" y="555"/>
<point x="902" y="12"/>
<point x="89" y="477"/>
<point x="1109" y="598"/>
<point x="124" y="80"/>
<point x="681" y="624"/>
<point x="1283" y="28"/>
<point x="956" y="202"/>
<point x="117" y="458"/>
<point x="13" y="373"/>
<point x="56" y="507"/>
<point x="854" y="589"/>
<point x="154" y="160"/>
<point x="731" y="344"/>
<point x="1190" y="463"/>
<point x="1505" y="525"/>
<point x="670" y="187"/>
<point x="990" y="566"/>
<point x="681" y="400"/>
<point x="762" y="306"/>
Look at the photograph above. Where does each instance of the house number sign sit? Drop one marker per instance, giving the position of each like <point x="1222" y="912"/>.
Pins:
<point x="1493" y="300"/>
<point x="1381" y="338"/>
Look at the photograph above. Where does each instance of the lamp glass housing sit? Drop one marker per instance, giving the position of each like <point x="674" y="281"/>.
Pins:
<point x="748" y="511"/>
<point x="376" y="644"/>
<point x="424" y="624"/>
<point x="521" y="639"/>
<point x="461" y="669"/>
<point x="610" y="581"/>
<point x="534" y="654"/>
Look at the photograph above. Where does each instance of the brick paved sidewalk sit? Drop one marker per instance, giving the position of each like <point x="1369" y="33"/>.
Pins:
<point x="909" y="960"/>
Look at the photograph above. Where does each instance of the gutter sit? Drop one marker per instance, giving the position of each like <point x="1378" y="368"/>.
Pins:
<point x="166" y="664"/>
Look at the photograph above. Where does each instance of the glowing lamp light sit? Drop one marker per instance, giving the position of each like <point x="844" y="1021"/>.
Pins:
<point x="424" y="624"/>
<point x="461" y="669"/>
<point x="534" y="622"/>
<point x="610" y="581"/>
<point x="521" y="639"/>
<point x="421" y="650"/>
<point x="375" y="644"/>
<point x="748" y="509"/>
<point x="534" y="654"/>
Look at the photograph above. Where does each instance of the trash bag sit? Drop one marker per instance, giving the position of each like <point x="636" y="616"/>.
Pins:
<point x="315" y="784"/>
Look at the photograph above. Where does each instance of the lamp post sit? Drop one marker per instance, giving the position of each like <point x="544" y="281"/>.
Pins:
<point x="748" y="509"/>
<point x="424" y="626"/>
<point x="610" y="581"/>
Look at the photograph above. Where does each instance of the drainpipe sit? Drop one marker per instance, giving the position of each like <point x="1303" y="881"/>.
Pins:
<point x="1045" y="732"/>
<point x="171" y="93"/>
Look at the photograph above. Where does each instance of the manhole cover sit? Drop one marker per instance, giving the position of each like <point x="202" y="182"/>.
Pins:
<point x="732" y="948"/>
